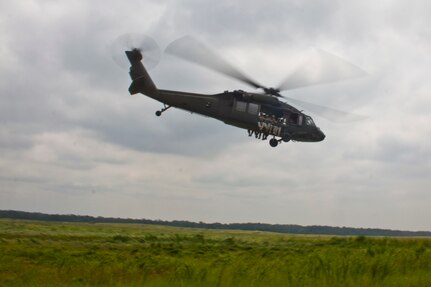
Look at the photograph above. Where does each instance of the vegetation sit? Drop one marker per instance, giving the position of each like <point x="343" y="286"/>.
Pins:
<point x="34" y="253"/>
<point x="282" y="228"/>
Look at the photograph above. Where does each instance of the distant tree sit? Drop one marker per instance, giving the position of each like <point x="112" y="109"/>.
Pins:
<point x="280" y="228"/>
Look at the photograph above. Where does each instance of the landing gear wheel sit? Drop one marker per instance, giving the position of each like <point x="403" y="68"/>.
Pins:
<point x="273" y="142"/>
<point x="159" y="113"/>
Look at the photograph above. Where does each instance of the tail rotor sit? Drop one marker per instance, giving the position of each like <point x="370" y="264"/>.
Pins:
<point x="146" y="46"/>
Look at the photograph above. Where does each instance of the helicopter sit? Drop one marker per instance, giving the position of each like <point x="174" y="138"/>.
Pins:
<point x="263" y="114"/>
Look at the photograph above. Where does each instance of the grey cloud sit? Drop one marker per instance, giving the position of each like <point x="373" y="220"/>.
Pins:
<point x="68" y="125"/>
<point x="245" y="21"/>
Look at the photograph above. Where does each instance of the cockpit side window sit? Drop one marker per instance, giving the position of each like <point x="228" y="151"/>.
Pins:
<point x="294" y="118"/>
<point x="309" y="121"/>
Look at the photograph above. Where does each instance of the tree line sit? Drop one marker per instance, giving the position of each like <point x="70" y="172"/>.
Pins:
<point x="280" y="228"/>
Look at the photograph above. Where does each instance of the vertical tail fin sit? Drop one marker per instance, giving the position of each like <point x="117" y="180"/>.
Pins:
<point x="142" y="82"/>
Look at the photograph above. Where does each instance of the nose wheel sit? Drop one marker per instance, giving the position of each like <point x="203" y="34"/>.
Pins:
<point x="159" y="113"/>
<point x="273" y="142"/>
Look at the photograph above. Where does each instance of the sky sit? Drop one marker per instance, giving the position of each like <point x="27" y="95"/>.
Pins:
<point x="73" y="141"/>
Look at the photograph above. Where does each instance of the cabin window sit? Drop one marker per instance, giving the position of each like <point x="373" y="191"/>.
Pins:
<point x="253" y="109"/>
<point x="241" y="106"/>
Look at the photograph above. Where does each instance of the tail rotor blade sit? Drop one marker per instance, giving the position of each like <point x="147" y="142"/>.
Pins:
<point x="146" y="45"/>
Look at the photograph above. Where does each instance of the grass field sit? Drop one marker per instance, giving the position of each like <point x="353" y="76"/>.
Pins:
<point x="71" y="254"/>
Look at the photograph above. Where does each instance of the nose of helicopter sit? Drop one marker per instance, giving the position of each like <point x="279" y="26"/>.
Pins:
<point x="319" y="135"/>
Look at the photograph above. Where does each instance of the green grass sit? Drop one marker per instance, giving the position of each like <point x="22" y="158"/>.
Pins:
<point x="71" y="254"/>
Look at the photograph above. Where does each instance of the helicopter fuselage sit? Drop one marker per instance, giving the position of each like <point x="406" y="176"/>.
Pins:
<point x="261" y="114"/>
<point x="258" y="113"/>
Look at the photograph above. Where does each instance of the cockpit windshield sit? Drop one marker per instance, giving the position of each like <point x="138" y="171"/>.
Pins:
<point x="309" y="121"/>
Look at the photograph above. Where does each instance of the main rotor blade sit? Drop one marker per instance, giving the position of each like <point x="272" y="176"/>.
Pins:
<point x="191" y="50"/>
<point x="326" y="112"/>
<point x="321" y="68"/>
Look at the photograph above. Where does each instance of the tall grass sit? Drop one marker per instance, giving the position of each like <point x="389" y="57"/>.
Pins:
<point x="67" y="254"/>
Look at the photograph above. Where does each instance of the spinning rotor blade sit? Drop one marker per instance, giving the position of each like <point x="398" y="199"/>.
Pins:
<point x="326" y="112"/>
<point x="191" y="50"/>
<point x="321" y="68"/>
<point x="146" y="45"/>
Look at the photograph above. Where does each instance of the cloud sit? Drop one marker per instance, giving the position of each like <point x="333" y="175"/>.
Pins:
<point x="73" y="140"/>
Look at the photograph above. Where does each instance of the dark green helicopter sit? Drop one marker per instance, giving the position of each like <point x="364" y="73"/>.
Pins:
<point x="262" y="114"/>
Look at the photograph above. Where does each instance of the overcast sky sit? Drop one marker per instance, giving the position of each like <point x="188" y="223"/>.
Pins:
<point x="72" y="140"/>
